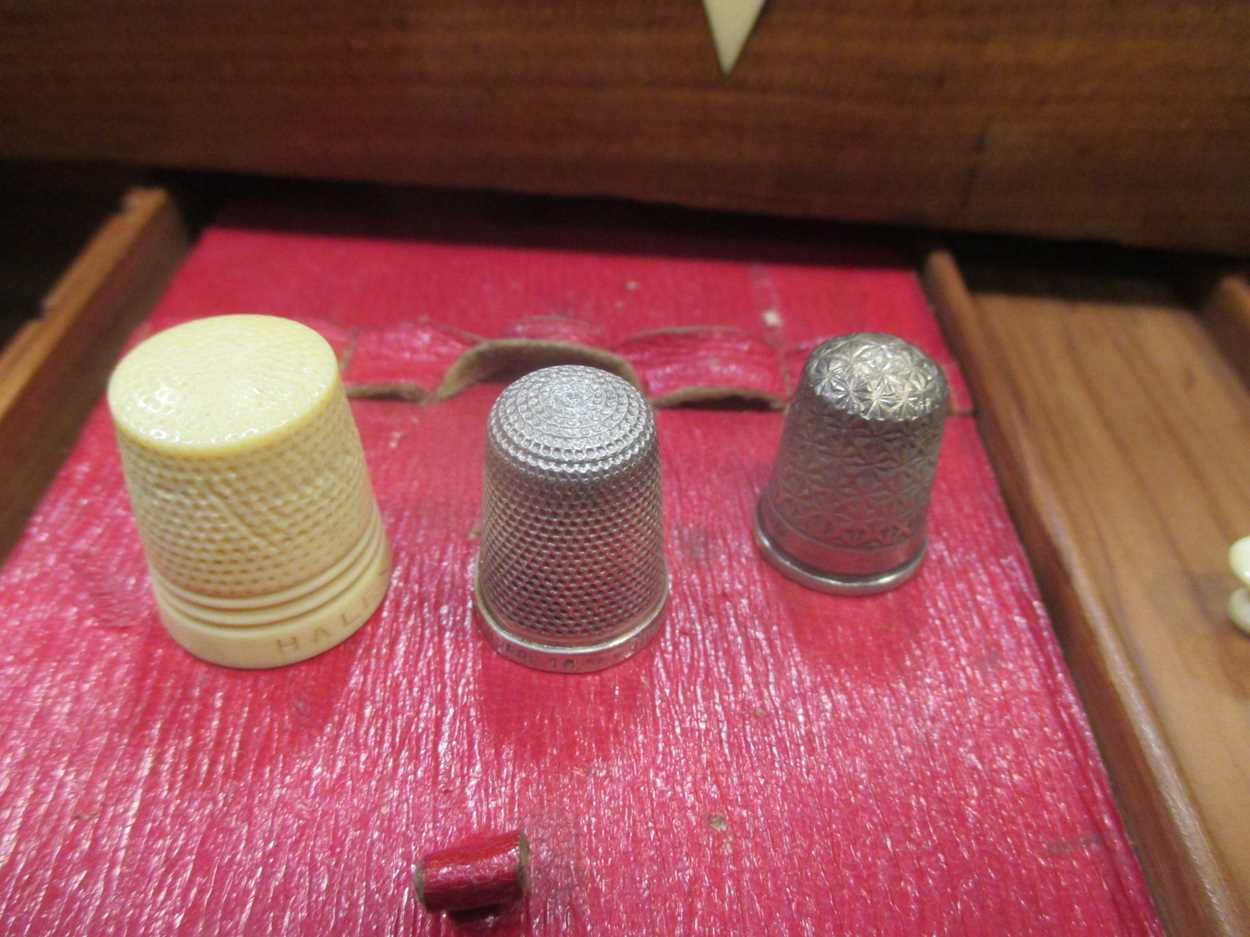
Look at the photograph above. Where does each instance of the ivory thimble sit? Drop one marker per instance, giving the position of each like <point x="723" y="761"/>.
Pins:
<point x="571" y="574"/>
<point x="250" y="490"/>
<point x="845" y="508"/>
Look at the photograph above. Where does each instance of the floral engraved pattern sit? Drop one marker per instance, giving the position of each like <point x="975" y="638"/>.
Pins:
<point x="860" y="444"/>
<point x="876" y="377"/>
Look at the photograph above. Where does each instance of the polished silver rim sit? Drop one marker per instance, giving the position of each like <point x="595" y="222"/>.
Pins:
<point x="827" y="582"/>
<point x="583" y="658"/>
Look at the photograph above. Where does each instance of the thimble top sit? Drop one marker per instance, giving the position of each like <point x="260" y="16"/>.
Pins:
<point x="249" y="489"/>
<point x="571" y="573"/>
<point x="571" y="422"/>
<point x="876" y="377"/>
<point x="243" y="463"/>
<point x="844" y="510"/>
<point x="184" y="389"/>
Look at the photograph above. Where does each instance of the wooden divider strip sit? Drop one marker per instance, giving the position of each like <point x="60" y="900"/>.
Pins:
<point x="1227" y="315"/>
<point x="1109" y="426"/>
<point x="55" y="367"/>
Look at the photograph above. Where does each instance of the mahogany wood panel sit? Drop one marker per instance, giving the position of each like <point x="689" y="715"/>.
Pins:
<point x="54" y="368"/>
<point x="1118" y="432"/>
<point x="1072" y="118"/>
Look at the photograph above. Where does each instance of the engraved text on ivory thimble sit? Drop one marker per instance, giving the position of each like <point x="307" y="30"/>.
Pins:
<point x="250" y="489"/>
<point x="571" y="575"/>
<point x="844" y="510"/>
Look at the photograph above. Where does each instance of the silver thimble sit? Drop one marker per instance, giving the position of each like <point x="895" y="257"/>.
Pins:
<point x="844" y="510"/>
<point x="571" y="573"/>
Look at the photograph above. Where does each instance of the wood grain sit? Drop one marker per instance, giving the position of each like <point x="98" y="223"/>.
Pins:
<point x="1117" y="432"/>
<point x="1069" y="118"/>
<point x="53" y="370"/>
<point x="1227" y="315"/>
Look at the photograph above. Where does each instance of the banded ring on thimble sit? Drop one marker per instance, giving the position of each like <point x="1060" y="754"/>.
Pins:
<point x="571" y="573"/>
<point x="249" y="487"/>
<point x="844" y="510"/>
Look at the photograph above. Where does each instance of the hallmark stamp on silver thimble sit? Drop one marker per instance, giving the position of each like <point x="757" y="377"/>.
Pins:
<point x="844" y="510"/>
<point x="571" y="573"/>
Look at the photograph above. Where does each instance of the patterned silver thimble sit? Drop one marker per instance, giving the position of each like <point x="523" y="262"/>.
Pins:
<point x="844" y="510"/>
<point x="571" y="573"/>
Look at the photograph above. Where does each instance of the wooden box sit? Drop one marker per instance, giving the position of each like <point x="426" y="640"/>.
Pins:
<point x="1115" y="425"/>
<point x="1116" y="418"/>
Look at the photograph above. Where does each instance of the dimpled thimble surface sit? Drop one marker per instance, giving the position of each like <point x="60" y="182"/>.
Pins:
<point x="844" y="510"/>
<point x="571" y="574"/>
<point x="250" y="490"/>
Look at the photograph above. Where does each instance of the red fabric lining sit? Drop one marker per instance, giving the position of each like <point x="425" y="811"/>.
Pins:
<point x="778" y="762"/>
